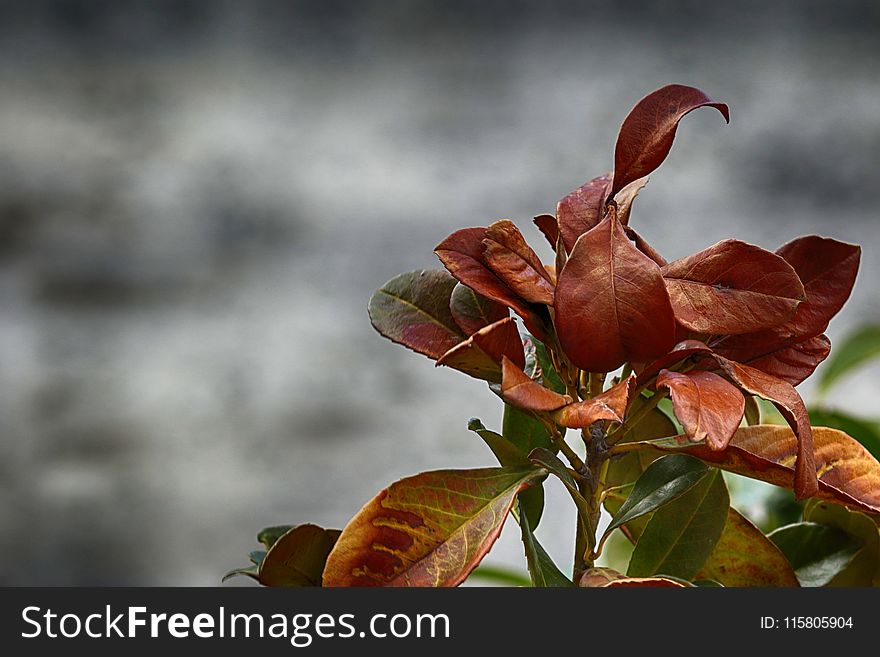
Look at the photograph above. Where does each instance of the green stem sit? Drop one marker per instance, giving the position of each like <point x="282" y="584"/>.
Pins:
<point x="648" y="406"/>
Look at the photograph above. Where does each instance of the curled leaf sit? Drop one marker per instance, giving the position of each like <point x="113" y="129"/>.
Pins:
<point x="609" y="405"/>
<point x="549" y="228"/>
<point x="520" y="391"/>
<point x="648" y="131"/>
<point x="462" y="254"/>
<point x="511" y="259"/>
<point x="611" y="303"/>
<point x="582" y="209"/>
<point x="431" y="529"/>
<point x="708" y="407"/>
<point x="412" y="309"/>
<point x="481" y="354"/>
<point x="732" y="287"/>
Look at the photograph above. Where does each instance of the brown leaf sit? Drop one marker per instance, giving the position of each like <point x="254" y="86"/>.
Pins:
<point x="643" y="246"/>
<point x="744" y="556"/>
<point x="732" y="287"/>
<point x="520" y="391"/>
<point x="511" y="259"/>
<point x="828" y="271"/>
<point x="610" y="405"/>
<point x="625" y="198"/>
<point x="847" y="472"/>
<point x="431" y="529"/>
<point x="582" y="209"/>
<point x="549" y="228"/>
<point x="791" y="406"/>
<point x="793" y="363"/>
<point x="462" y="254"/>
<point x="648" y="131"/>
<point x="412" y="309"/>
<point x="681" y="351"/>
<point x="708" y="407"/>
<point x="472" y="311"/>
<point x="611" y="302"/>
<point x="481" y="354"/>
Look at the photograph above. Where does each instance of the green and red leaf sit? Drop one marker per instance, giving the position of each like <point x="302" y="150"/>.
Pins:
<point x="744" y="556"/>
<point x="412" y="309"/>
<point x="732" y="287"/>
<point x="707" y="405"/>
<point x="431" y="529"/>
<point x="472" y="311"/>
<point x="611" y="302"/>
<point x="648" y="131"/>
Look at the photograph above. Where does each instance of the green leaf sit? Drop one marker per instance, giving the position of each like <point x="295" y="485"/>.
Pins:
<point x="663" y="481"/>
<point x="864" y="569"/>
<point x="753" y="411"/>
<point x="504" y="450"/>
<point x="542" y="570"/>
<point x="524" y="431"/>
<point x="250" y="571"/>
<point x="257" y="556"/>
<point x="682" y="534"/>
<point x="549" y="376"/>
<point x="297" y="558"/>
<point x="818" y="553"/>
<point x="270" y="535"/>
<point x="864" y="431"/>
<point x="743" y="556"/>
<point x="508" y="454"/>
<point x="856" y="349"/>
<point x="550" y="462"/>
<point x="500" y="575"/>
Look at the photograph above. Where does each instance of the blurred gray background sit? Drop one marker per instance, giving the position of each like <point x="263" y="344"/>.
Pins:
<point x="198" y="198"/>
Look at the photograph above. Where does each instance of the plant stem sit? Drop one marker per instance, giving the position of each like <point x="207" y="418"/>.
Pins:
<point x="649" y="405"/>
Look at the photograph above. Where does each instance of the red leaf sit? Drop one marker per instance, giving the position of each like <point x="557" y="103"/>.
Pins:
<point x="707" y="405"/>
<point x="847" y="472"/>
<point x="732" y="287"/>
<point x="582" y="209"/>
<point x="511" y="259"/>
<point x="625" y="198"/>
<point x="828" y="271"/>
<point x="611" y="303"/>
<point x="684" y="349"/>
<point x="610" y="405"/>
<point x="520" y="391"/>
<point x="481" y="354"/>
<point x="789" y="402"/>
<point x="548" y="226"/>
<point x="648" y="132"/>
<point x="472" y="311"/>
<point x="795" y="362"/>
<point x="643" y="246"/>
<point x="462" y="254"/>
